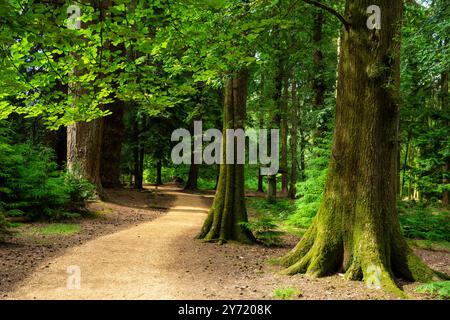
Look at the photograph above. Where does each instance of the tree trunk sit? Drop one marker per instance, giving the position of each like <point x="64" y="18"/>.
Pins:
<point x="445" y="109"/>
<point x="356" y="230"/>
<point x="136" y="154"/>
<point x="112" y="145"/>
<point x="292" y="186"/>
<point x="84" y="141"/>
<point x="57" y="140"/>
<point x="276" y="122"/>
<point x="260" y="181"/>
<point x="318" y="84"/>
<point x="191" y="183"/>
<point x="284" y="135"/>
<point x="228" y="210"/>
<point x="158" y="173"/>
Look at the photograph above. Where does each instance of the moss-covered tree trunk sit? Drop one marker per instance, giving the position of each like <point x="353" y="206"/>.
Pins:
<point x="356" y="230"/>
<point x="228" y="210"/>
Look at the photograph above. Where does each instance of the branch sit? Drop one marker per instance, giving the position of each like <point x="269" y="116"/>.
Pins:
<point x="331" y="10"/>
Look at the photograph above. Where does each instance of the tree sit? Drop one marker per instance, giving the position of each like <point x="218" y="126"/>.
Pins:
<point x="356" y="229"/>
<point x="294" y="142"/>
<point x="84" y="138"/>
<point x="228" y="211"/>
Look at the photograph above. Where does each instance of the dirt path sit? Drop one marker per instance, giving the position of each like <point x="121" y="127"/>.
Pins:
<point x="130" y="264"/>
<point x="160" y="259"/>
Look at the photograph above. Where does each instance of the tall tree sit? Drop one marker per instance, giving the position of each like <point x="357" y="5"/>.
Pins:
<point x="228" y="211"/>
<point x="294" y="141"/>
<point x="445" y="109"/>
<point x="284" y="134"/>
<point x="84" y="139"/>
<point x="356" y="229"/>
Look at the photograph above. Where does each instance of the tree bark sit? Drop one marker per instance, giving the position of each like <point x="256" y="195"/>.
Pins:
<point x="159" y="173"/>
<point x="356" y="230"/>
<point x="276" y="122"/>
<point x="260" y="181"/>
<point x="84" y="141"/>
<point x="294" y="142"/>
<point x="445" y="108"/>
<point x="191" y="183"/>
<point x="318" y="84"/>
<point x="228" y="210"/>
<point x="138" y="179"/>
<point x="284" y="135"/>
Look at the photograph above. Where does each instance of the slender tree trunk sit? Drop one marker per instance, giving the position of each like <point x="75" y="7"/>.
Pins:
<point x="445" y="108"/>
<point x="318" y="84"/>
<point x="284" y="135"/>
<point x="136" y="154"/>
<point x="228" y="210"/>
<point x="159" y="173"/>
<point x="405" y="164"/>
<point x="191" y="183"/>
<point x="261" y="125"/>
<point x="294" y="142"/>
<point x="277" y="97"/>
<point x="260" y="181"/>
<point x="356" y="230"/>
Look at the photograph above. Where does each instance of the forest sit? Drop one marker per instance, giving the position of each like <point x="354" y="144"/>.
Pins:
<point x="224" y="149"/>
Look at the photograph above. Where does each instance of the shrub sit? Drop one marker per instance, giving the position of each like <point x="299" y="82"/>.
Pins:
<point x="419" y="222"/>
<point x="441" y="289"/>
<point x="31" y="185"/>
<point x="265" y="230"/>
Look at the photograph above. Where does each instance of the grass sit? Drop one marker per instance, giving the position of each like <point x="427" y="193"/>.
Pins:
<point x="62" y="229"/>
<point x="287" y="293"/>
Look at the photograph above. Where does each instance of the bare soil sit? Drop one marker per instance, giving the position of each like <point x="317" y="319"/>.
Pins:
<point x="141" y="251"/>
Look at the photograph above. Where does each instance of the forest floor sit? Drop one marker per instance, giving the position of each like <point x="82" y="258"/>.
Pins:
<point x="134" y="248"/>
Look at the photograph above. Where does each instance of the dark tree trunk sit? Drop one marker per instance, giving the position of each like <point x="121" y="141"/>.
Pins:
<point x="138" y="180"/>
<point x="57" y="140"/>
<point x="159" y="173"/>
<point x="356" y="230"/>
<point x="228" y="210"/>
<point x="260" y="181"/>
<point x="445" y="109"/>
<point x="191" y="183"/>
<point x="294" y="129"/>
<point x="318" y="85"/>
<point x="276" y="122"/>
<point x="112" y="145"/>
<point x="284" y="135"/>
